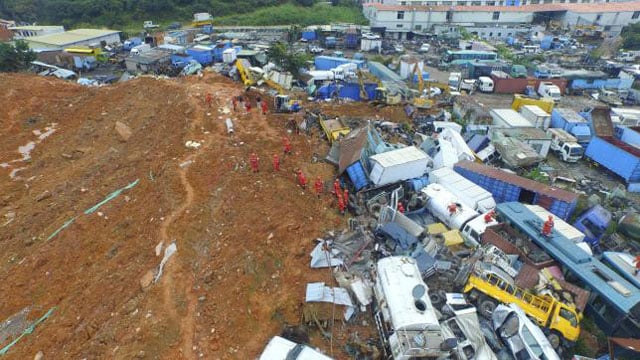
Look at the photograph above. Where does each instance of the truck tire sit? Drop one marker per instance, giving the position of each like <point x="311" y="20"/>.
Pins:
<point x="486" y="306"/>
<point x="555" y="339"/>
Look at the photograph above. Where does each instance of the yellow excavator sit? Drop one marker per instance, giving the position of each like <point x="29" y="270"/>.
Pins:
<point x="382" y="95"/>
<point x="420" y="101"/>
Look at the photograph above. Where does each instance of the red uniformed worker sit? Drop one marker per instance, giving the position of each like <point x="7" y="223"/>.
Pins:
<point x="264" y="107"/>
<point x="548" y="226"/>
<point x="452" y="208"/>
<point x="341" y="206"/>
<point x="318" y="185"/>
<point x="287" y="145"/>
<point x="253" y="161"/>
<point x="346" y="198"/>
<point x="336" y="187"/>
<point x="400" y="208"/>
<point x="488" y="217"/>
<point x="302" y="180"/>
<point x="247" y="106"/>
<point x="276" y="162"/>
<point x="208" y="98"/>
<point x="234" y="101"/>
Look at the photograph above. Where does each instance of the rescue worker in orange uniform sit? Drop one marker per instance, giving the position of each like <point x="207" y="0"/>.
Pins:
<point x="287" y="145"/>
<point x="548" y="226"/>
<point x="302" y="180"/>
<point x="400" y="208"/>
<point x="341" y="205"/>
<point x="253" y="161"/>
<point x="276" y="162"/>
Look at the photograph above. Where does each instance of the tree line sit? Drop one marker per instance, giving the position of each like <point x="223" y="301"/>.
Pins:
<point x="117" y="13"/>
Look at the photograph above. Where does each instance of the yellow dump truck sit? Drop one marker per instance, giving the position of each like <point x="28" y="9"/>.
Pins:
<point x="334" y="128"/>
<point x="521" y="100"/>
<point x="554" y="315"/>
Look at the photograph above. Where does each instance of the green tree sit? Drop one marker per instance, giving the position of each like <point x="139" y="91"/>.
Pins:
<point x="282" y="55"/>
<point x="631" y="37"/>
<point x="15" y="58"/>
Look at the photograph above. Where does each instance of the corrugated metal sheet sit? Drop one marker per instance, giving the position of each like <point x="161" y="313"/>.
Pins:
<point x="519" y="181"/>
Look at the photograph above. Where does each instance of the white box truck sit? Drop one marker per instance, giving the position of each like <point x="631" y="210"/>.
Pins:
<point x="485" y="84"/>
<point x="565" y="145"/>
<point x="449" y="209"/>
<point x="398" y="165"/>
<point x="471" y="194"/>
<point x="538" y="117"/>
<point x="405" y="318"/>
<point x="549" y="90"/>
<point x="508" y="118"/>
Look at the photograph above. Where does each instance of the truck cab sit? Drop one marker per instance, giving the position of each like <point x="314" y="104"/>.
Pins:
<point x="454" y="81"/>
<point x="549" y="90"/>
<point x="485" y="84"/>
<point x="406" y="320"/>
<point x="565" y="145"/>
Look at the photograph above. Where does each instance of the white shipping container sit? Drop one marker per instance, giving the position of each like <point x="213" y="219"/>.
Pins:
<point x="202" y="16"/>
<point x="407" y="68"/>
<point x="508" y="118"/>
<point x="471" y="194"/>
<point x="538" y="117"/>
<point x="398" y="165"/>
<point x="369" y="44"/>
<point x="229" y="56"/>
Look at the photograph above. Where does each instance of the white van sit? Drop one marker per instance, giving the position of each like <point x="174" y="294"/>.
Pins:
<point x="485" y="84"/>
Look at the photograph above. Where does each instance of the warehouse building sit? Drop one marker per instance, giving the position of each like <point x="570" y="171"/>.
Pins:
<point x="24" y="32"/>
<point x="401" y="20"/>
<point x="76" y="37"/>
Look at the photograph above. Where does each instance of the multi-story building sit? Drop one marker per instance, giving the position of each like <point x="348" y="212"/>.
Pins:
<point x="484" y="2"/>
<point x="400" y="20"/>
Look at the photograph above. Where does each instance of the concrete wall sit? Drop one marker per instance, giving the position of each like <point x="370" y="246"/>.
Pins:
<point x="612" y="21"/>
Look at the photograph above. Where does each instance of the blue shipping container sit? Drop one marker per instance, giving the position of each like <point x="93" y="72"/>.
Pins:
<point x="219" y="49"/>
<point x="180" y="60"/>
<point x="613" y="154"/>
<point x="351" y="40"/>
<point x="309" y="35"/>
<point x="204" y="57"/>
<point x="331" y="62"/>
<point x="357" y="175"/>
<point x="629" y="135"/>
<point x="507" y="187"/>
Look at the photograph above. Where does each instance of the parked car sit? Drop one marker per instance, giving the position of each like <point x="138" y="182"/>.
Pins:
<point x="399" y="48"/>
<point x="424" y="48"/>
<point x="524" y="338"/>
<point x="370" y="36"/>
<point x="174" y="26"/>
<point x="316" y="50"/>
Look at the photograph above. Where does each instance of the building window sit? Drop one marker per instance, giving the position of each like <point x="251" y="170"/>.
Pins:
<point x="476" y="3"/>
<point x="417" y="27"/>
<point x="491" y="3"/>
<point x="403" y="3"/>
<point x="636" y="14"/>
<point x="548" y="1"/>
<point x="499" y="34"/>
<point x="533" y="2"/>
<point x="523" y="2"/>
<point x="400" y="15"/>
<point x="500" y="3"/>
<point x="563" y="1"/>
<point x="491" y="34"/>
<point x="573" y="1"/>
<point x="432" y="3"/>
<point x="598" y="17"/>
<point x="462" y="3"/>
<point x="399" y="25"/>
<point x="496" y="15"/>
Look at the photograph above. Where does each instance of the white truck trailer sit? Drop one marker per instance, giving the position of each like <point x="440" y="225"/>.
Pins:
<point x="471" y="194"/>
<point x="449" y="209"/>
<point x="398" y="165"/>
<point x="405" y="318"/>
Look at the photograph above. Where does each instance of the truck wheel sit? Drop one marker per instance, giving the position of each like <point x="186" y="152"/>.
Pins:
<point x="486" y="307"/>
<point x="555" y="340"/>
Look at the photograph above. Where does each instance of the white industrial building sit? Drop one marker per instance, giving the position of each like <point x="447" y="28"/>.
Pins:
<point x="399" y="20"/>
<point x="484" y="2"/>
<point x="76" y="37"/>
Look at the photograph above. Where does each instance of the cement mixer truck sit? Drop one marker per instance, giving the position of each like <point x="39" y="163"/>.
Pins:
<point x="454" y="213"/>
